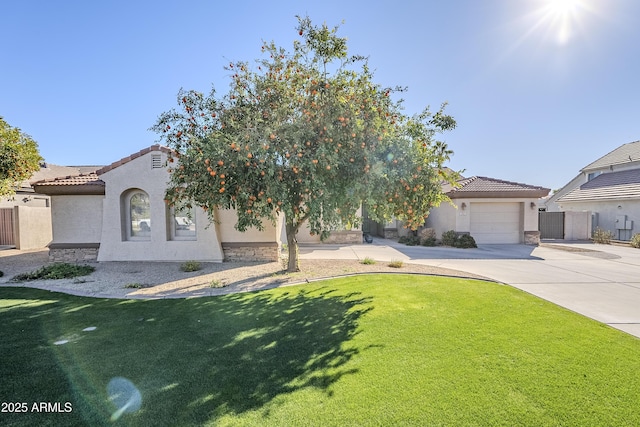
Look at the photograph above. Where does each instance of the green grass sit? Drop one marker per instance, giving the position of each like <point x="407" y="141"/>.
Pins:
<point x="364" y="350"/>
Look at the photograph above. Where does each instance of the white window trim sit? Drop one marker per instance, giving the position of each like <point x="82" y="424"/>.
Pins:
<point x="128" y="220"/>
<point x="172" y="227"/>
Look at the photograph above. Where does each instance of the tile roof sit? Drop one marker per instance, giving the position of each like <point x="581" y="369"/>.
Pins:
<point x="86" y="179"/>
<point x="50" y="171"/>
<point x="76" y="184"/>
<point x="156" y="147"/>
<point x="607" y="186"/>
<point x="480" y="186"/>
<point x="626" y="153"/>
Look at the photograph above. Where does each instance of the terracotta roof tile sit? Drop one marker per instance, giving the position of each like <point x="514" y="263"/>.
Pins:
<point x="479" y="186"/>
<point x="86" y="179"/>
<point x="156" y="147"/>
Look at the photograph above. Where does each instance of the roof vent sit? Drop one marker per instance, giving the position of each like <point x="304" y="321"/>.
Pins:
<point x="156" y="161"/>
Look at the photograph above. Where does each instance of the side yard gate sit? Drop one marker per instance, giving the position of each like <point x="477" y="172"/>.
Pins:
<point x="6" y="227"/>
<point x="551" y="225"/>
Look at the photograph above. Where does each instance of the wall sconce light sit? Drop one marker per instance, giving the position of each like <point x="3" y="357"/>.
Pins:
<point x="533" y="205"/>
<point x="619" y="206"/>
<point x="463" y="206"/>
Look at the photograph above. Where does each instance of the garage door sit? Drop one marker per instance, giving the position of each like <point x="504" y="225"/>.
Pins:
<point x="496" y="222"/>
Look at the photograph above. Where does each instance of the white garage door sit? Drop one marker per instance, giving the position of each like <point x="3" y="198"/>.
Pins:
<point x="496" y="222"/>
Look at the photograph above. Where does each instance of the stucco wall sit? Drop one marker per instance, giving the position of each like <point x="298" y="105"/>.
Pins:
<point x="226" y="228"/>
<point x="577" y="225"/>
<point x="32" y="227"/>
<point x="76" y="219"/>
<point x="114" y="246"/>
<point x="447" y="217"/>
<point x="606" y="213"/>
<point x="442" y="218"/>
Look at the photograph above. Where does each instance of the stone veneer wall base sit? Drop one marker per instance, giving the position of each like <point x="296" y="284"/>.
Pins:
<point x="353" y="237"/>
<point x="73" y="252"/>
<point x="251" y="251"/>
<point x="532" y="238"/>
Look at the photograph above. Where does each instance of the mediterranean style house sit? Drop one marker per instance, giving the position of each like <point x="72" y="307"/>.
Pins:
<point x="608" y="189"/>
<point x="118" y="213"/>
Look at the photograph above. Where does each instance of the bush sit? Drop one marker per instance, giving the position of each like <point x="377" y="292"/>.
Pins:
<point x="635" y="241"/>
<point x="602" y="236"/>
<point x="368" y="261"/>
<point x="190" y="266"/>
<point x="428" y="241"/>
<point x="396" y="263"/>
<point x="413" y="241"/>
<point x="449" y="238"/>
<point x="466" y="241"/>
<point x="1" y="273"/>
<point x="55" y="271"/>
<point x="403" y="239"/>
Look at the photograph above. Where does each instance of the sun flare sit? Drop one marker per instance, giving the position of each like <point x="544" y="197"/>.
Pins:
<point x="561" y="17"/>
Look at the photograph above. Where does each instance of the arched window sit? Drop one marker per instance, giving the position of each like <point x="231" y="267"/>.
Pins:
<point x="138" y="215"/>
<point x="182" y="222"/>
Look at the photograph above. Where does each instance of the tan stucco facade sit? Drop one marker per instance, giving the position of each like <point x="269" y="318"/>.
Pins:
<point x="96" y="218"/>
<point x="508" y="220"/>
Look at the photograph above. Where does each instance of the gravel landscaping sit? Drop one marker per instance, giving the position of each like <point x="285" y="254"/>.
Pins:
<point x="166" y="280"/>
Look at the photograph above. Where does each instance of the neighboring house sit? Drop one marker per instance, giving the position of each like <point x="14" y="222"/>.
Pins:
<point x="119" y="213"/>
<point x="25" y="217"/>
<point x="491" y="210"/>
<point x="609" y="189"/>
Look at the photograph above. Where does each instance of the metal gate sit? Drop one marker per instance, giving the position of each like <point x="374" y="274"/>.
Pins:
<point x="551" y="225"/>
<point x="6" y="227"/>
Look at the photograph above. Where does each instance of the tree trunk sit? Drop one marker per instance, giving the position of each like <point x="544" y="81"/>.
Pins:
<point x="292" y="245"/>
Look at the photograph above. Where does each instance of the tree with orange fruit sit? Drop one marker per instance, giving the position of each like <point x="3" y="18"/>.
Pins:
<point x="19" y="158"/>
<point x="307" y="134"/>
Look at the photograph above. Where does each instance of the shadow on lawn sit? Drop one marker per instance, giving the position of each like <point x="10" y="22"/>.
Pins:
<point x="193" y="360"/>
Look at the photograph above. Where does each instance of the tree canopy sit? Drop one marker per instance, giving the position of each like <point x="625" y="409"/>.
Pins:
<point x="19" y="158"/>
<point x="306" y="133"/>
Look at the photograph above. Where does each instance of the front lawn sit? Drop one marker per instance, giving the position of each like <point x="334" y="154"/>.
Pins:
<point x="364" y="350"/>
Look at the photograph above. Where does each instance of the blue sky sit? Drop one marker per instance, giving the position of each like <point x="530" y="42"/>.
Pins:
<point x="538" y="92"/>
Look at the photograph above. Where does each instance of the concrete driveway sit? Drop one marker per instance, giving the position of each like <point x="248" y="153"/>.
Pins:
<point x="598" y="281"/>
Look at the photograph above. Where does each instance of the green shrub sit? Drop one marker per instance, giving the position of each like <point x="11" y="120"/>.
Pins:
<point x="396" y="263"/>
<point x="449" y="238"/>
<point x="429" y="241"/>
<point x="403" y="239"/>
<point x="635" y="241"/>
<point x="602" y="236"/>
<point x="55" y="271"/>
<point x="368" y="261"/>
<point x="466" y="241"/>
<point x="190" y="266"/>
<point x="217" y="284"/>
<point x="134" y="286"/>
<point x="412" y="240"/>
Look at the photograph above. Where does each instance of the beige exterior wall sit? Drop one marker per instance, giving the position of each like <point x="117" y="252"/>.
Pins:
<point x="32" y="200"/>
<point x="606" y="213"/>
<point x="442" y="218"/>
<point x="448" y="217"/>
<point x="76" y="219"/>
<point x="114" y="246"/>
<point x="32" y="227"/>
<point x="227" y="219"/>
<point x="577" y="225"/>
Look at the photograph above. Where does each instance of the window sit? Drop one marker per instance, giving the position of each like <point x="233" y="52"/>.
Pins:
<point x="182" y="222"/>
<point x="138" y="212"/>
<point x="593" y="175"/>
